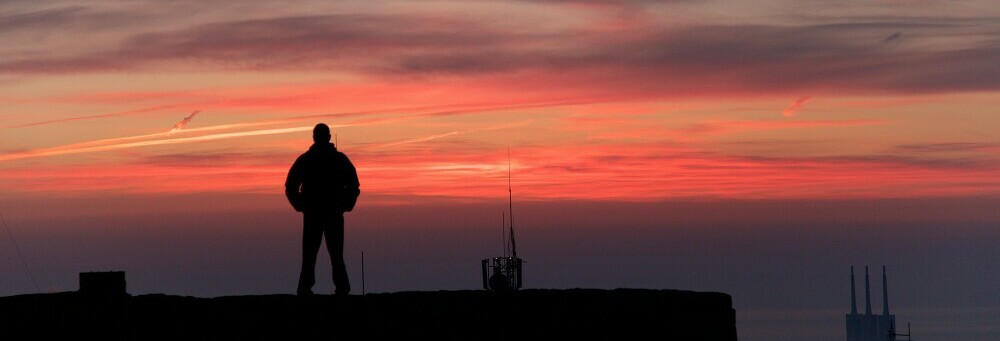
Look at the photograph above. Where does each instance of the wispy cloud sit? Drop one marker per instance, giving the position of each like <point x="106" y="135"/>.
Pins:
<point x="894" y="38"/>
<point x="614" y="172"/>
<point x="947" y="147"/>
<point x="91" y="117"/>
<point x="718" y="127"/>
<point x="167" y="138"/>
<point x="67" y="150"/>
<point x="793" y="108"/>
<point x="447" y="134"/>
<point x="184" y="122"/>
<point x="430" y="109"/>
<point x="697" y="58"/>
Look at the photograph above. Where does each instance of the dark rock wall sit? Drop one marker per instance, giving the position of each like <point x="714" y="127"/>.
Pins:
<point x="446" y="315"/>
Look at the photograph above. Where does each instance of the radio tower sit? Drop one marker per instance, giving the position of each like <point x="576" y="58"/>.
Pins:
<point x="510" y="208"/>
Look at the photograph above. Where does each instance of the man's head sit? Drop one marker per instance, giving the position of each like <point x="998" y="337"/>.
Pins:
<point x="321" y="133"/>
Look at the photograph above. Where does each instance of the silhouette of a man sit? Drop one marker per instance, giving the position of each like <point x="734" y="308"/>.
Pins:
<point x="322" y="184"/>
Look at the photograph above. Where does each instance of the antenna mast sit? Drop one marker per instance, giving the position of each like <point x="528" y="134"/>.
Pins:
<point x="510" y="203"/>
<point x="362" y="273"/>
<point x="503" y="232"/>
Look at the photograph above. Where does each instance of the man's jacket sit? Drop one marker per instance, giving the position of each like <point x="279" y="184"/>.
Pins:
<point x="322" y="179"/>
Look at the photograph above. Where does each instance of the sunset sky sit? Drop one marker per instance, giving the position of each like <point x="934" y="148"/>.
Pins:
<point x="757" y="148"/>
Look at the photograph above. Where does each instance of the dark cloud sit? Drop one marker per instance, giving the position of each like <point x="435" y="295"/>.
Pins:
<point x="65" y="65"/>
<point x="895" y="38"/>
<point x="41" y="18"/>
<point x="184" y="121"/>
<point x="748" y="162"/>
<point x="66" y="19"/>
<point x="950" y="147"/>
<point x="890" y="160"/>
<point x="308" y="42"/>
<point x="218" y="159"/>
<point x="705" y="59"/>
<point x="297" y="40"/>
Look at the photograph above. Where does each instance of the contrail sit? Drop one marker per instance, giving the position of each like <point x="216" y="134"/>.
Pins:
<point x="122" y="142"/>
<point x="441" y="110"/>
<point x="419" y="139"/>
<point x="172" y="106"/>
<point x="450" y="133"/>
<point x="81" y="118"/>
<point x="435" y="113"/>
<point x="184" y="122"/>
<point x="76" y="149"/>
<point x="793" y="108"/>
<point x="91" y="147"/>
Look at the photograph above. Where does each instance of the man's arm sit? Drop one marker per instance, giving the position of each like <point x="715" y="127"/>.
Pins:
<point x="352" y="185"/>
<point x="352" y="175"/>
<point x="292" y="184"/>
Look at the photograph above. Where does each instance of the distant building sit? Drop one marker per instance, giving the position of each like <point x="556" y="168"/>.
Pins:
<point x="103" y="284"/>
<point x="868" y="326"/>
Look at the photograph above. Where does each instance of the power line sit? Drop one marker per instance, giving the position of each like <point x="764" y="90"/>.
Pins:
<point x="12" y="241"/>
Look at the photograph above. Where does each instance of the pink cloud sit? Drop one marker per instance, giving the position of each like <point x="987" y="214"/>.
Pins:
<point x="709" y="128"/>
<point x="560" y="172"/>
<point x="793" y="108"/>
<point x="184" y="122"/>
<point x="617" y="51"/>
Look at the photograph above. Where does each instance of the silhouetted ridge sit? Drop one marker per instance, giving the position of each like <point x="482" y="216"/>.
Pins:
<point x="623" y="314"/>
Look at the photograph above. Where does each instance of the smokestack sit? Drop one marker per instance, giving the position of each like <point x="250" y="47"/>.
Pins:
<point x="854" y="298"/>
<point x="885" y="294"/>
<point x="868" y="294"/>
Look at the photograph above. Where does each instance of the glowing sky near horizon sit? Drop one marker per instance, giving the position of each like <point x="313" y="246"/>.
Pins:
<point x="612" y="100"/>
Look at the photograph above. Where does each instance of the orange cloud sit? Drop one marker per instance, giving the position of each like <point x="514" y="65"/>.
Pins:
<point x="550" y="172"/>
<point x="82" y="148"/>
<point x="793" y="108"/>
<point x="184" y="122"/>
<point x="156" y="139"/>
<point x="721" y="127"/>
<point x="447" y="134"/>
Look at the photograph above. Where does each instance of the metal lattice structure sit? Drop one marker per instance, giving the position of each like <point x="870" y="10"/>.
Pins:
<point x="502" y="273"/>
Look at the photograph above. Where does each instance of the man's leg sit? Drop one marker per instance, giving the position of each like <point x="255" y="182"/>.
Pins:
<point x="312" y="236"/>
<point x="335" y="246"/>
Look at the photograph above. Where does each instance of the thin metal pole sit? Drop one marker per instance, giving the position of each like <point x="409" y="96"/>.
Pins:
<point x="510" y="202"/>
<point x="362" y="273"/>
<point x="503" y="234"/>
